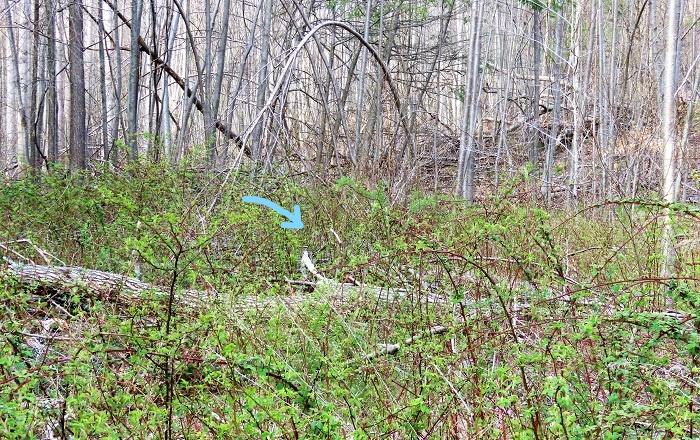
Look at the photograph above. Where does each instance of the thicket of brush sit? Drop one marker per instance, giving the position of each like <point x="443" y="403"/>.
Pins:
<point x="555" y="323"/>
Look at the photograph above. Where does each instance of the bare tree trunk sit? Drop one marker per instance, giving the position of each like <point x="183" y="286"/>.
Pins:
<point x="187" y="101"/>
<point x="608" y="118"/>
<point x="466" y="164"/>
<point x="687" y="126"/>
<point x="320" y="149"/>
<point x="11" y="97"/>
<point x="153" y="140"/>
<point x="505" y="85"/>
<point x="134" y="74"/>
<point x="220" y="62"/>
<point x="78" y="130"/>
<point x="165" y="128"/>
<point x="51" y="96"/>
<point x="374" y="120"/>
<point x="345" y="94"/>
<point x="17" y="80"/>
<point x="669" y="132"/>
<point x="553" y="140"/>
<point x="114" y="151"/>
<point x="209" y="131"/>
<point x="534" y="132"/>
<point x="34" y="144"/>
<point x="103" y="82"/>
<point x="357" y="148"/>
<point x="577" y="100"/>
<point x="5" y="156"/>
<point x="262" y="79"/>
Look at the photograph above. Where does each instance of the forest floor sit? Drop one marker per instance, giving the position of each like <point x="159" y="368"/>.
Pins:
<point x="424" y="318"/>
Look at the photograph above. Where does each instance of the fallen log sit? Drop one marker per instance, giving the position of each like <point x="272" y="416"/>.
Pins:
<point x="105" y="285"/>
<point x="122" y="289"/>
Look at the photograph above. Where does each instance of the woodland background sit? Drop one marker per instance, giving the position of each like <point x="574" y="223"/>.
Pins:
<point x="452" y="96"/>
<point x="499" y="202"/>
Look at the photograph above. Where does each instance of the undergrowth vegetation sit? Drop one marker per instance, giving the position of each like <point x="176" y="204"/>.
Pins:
<point x="552" y="324"/>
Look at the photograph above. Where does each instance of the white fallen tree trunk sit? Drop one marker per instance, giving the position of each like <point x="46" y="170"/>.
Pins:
<point x="123" y="289"/>
<point x="105" y="285"/>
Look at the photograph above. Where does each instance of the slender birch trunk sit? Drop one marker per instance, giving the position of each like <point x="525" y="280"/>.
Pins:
<point x="534" y="132"/>
<point x="553" y="138"/>
<point x="114" y="151"/>
<point x="466" y="164"/>
<point x="262" y="80"/>
<point x="357" y="149"/>
<point x="134" y="75"/>
<point x="51" y="94"/>
<point x="669" y="135"/>
<point x="103" y="82"/>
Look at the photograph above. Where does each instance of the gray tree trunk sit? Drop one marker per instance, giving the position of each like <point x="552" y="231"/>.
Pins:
<point x="34" y="130"/>
<point x="78" y="130"/>
<point x="553" y="139"/>
<point x="209" y="131"/>
<point x="4" y="153"/>
<point x="357" y="148"/>
<point x="534" y="132"/>
<point x="669" y="135"/>
<point x="51" y="95"/>
<point x="467" y="143"/>
<point x="221" y="57"/>
<point x="113" y="154"/>
<point x="262" y="79"/>
<point x="103" y="82"/>
<point x="23" y="129"/>
<point x="577" y="58"/>
<point x="165" y="128"/>
<point x="134" y="74"/>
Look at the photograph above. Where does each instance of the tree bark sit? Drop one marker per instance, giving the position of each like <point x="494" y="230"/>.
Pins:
<point x="51" y="95"/>
<point x="114" y="151"/>
<point x="78" y="130"/>
<point x="120" y="289"/>
<point x="134" y="75"/>
<point x="467" y="143"/>
<point x="577" y="100"/>
<point x="219" y="77"/>
<point x="103" y="82"/>
<point x="209" y="130"/>
<point x="534" y="131"/>
<point x="17" y="83"/>
<point x="356" y="152"/>
<point x="262" y="79"/>
<point x="165" y="127"/>
<point x="669" y="135"/>
<point x="5" y="155"/>
<point x="34" y="129"/>
<point x="553" y="139"/>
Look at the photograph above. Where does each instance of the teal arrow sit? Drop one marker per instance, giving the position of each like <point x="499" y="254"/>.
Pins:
<point x="294" y="219"/>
